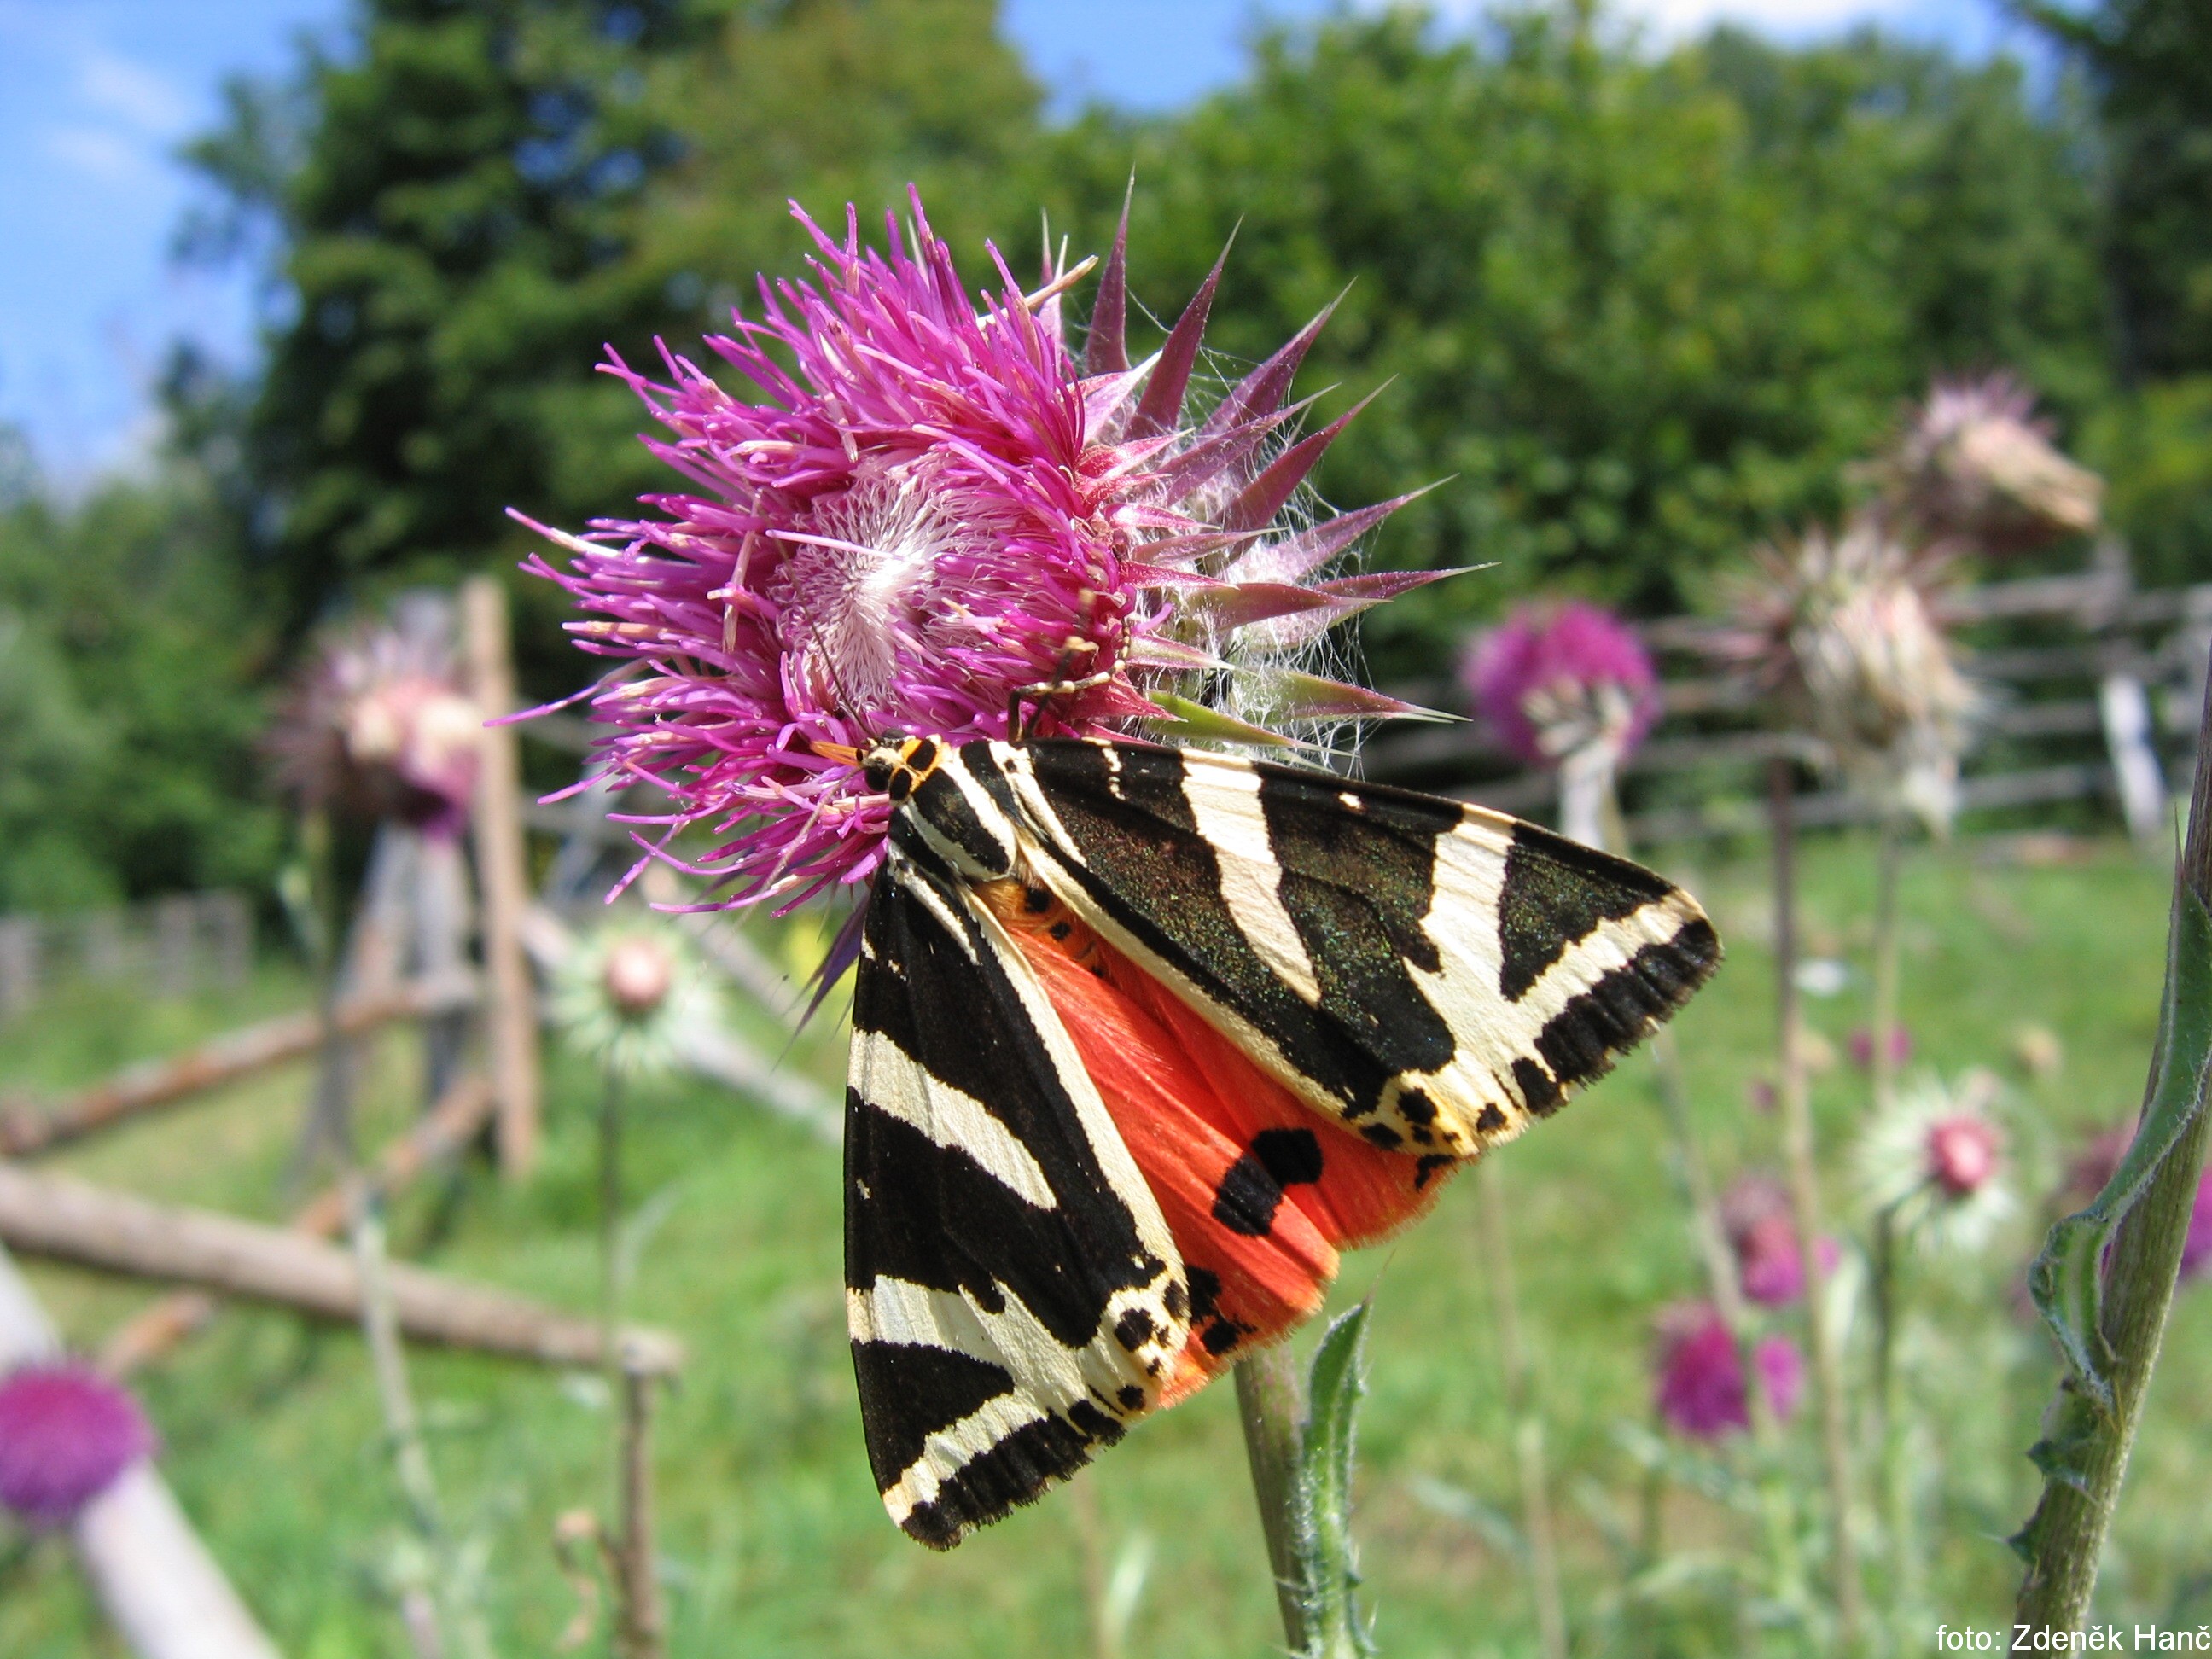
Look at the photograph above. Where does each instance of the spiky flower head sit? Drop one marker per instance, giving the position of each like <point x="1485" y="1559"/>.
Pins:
<point x="1553" y="680"/>
<point x="1973" y="464"/>
<point x="378" y="724"/>
<point x="66" y="1433"/>
<point x="626" y="993"/>
<point x="931" y="506"/>
<point x="1934" y="1160"/>
<point x="1762" y="1233"/>
<point x="1840" y="631"/>
<point x="2196" y="1248"/>
<point x="1698" y="1385"/>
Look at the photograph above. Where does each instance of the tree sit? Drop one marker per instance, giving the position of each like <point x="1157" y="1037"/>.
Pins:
<point x="1640" y="310"/>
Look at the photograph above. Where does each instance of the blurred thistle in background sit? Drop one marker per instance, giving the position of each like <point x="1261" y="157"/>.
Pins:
<point x="1698" y="1385"/>
<point x="940" y="508"/>
<point x="378" y="725"/>
<point x="1762" y="1233"/>
<point x="1934" y="1161"/>
<point x="1839" y="629"/>
<point x="66" y="1435"/>
<point x="625" y="994"/>
<point x="1569" y="688"/>
<point x="1973" y="465"/>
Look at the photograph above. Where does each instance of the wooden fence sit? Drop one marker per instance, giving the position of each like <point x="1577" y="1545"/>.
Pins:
<point x="176" y="945"/>
<point x="2091" y="686"/>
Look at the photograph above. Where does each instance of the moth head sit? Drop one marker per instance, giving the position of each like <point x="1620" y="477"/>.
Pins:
<point x="895" y="766"/>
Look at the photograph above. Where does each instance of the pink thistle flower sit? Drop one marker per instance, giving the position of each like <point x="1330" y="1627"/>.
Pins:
<point x="380" y="726"/>
<point x="1763" y="1234"/>
<point x="1862" y="1047"/>
<point x="1972" y="463"/>
<point x="1699" y="1388"/>
<point x="1934" y="1160"/>
<point x="1551" y="681"/>
<point x="66" y="1433"/>
<point x="929" y="509"/>
<point x="2197" y="1248"/>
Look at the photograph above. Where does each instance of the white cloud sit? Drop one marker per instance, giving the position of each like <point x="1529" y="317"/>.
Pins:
<point x="1674" y="20"/>
<point x="102" y="153"/>
<point x="142" y="99"/>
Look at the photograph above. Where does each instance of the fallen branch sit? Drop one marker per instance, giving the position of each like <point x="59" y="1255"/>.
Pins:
<point x="72" y="1221"/>
<point x="456" y="1121"/>
<point x="26" y="1128"/>
<point x="153" y="1577"/>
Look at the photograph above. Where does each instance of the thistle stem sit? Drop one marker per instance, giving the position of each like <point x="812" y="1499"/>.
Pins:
<point x="1709" y="1233"/>
<point x="1521" y="1406"/>
<point x="2069" y="1528"/>
<point x="1271" y="1404"/>
<point x="1889" y="861"/>
<point x="1805" y="1201"/>
<point x="639" y="1624"/>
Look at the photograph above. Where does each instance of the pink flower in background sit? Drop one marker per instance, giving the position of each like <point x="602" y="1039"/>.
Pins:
<point x="1550" y="681"/>
<point x="1963" y="1153"/>
<point x="66" y="1432"/>
<point x="2197" y="1248"/>
<point x="1934" y="1161"/>
<point x="1700" y="1389"/>
<point x="1763" y="1234"/>
<point x="930" y="508"/>
<point x="378" y="725"/>
<point x="1862" y="1047"/>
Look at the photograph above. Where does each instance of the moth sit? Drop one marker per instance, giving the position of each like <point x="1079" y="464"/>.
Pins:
<point x="1144" y="1036"/>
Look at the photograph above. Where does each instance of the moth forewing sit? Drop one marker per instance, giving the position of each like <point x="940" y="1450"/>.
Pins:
<point x="1369" y="947"/>
<point x="1014" y="1295"/>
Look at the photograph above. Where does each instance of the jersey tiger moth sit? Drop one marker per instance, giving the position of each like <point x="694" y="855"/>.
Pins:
<point x="1143" y="1036"/>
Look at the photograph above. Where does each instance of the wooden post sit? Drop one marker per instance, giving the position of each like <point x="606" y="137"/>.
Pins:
<point x="153" y="1577"/>
<point x="511" y="1023"/>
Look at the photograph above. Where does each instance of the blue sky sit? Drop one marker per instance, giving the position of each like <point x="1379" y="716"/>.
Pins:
<point x="96" y="94"/>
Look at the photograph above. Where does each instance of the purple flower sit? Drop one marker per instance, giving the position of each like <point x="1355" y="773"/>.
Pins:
<point x="930" y="508"/>
<point x="66" y="1432"/>
<point x="2197" y="1248"/>
<point x="1551" y="680"/>
<point x="1763" y="1234"/>
<point x="1862" y="1046"/>
<point x="1700" y="1386"/>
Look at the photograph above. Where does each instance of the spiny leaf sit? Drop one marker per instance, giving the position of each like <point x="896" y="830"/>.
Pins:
<point x="1196" y="722"/>
<point x="1321" y="1494"/>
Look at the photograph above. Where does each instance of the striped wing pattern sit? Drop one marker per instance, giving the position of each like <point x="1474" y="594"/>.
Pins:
<point x="1013" y="1296"/>
<point x="1433" y="974"/>
<point x="1428" y="976"/>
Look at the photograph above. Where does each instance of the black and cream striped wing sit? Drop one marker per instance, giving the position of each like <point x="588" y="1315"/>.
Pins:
<point x="1013" y="1294"/>
<point x="1435" y="975"/>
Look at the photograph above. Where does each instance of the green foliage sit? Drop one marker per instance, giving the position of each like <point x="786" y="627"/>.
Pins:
<point x="455" y="222"/>
<point x="2146" y="59"/>
<point x="1643" y="310"/>
<point x="128" y="668"/>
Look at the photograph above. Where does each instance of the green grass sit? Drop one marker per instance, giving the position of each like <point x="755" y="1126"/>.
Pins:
<point x="775" y="1541"/>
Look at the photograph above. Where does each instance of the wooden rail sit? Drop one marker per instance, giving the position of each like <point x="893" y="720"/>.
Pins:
<point x="73" y="1221"/>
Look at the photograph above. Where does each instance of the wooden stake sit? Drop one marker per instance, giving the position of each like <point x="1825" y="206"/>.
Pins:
<point x="153" y="1577"/>
<point x="511" y="1019"/>
<point x="27" y="1128"/>
<point x="73" y="1221"/>
<point x="455" y="1122"/>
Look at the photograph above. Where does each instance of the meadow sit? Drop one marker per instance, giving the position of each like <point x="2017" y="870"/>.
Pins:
<point x="773" y="1541"/>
